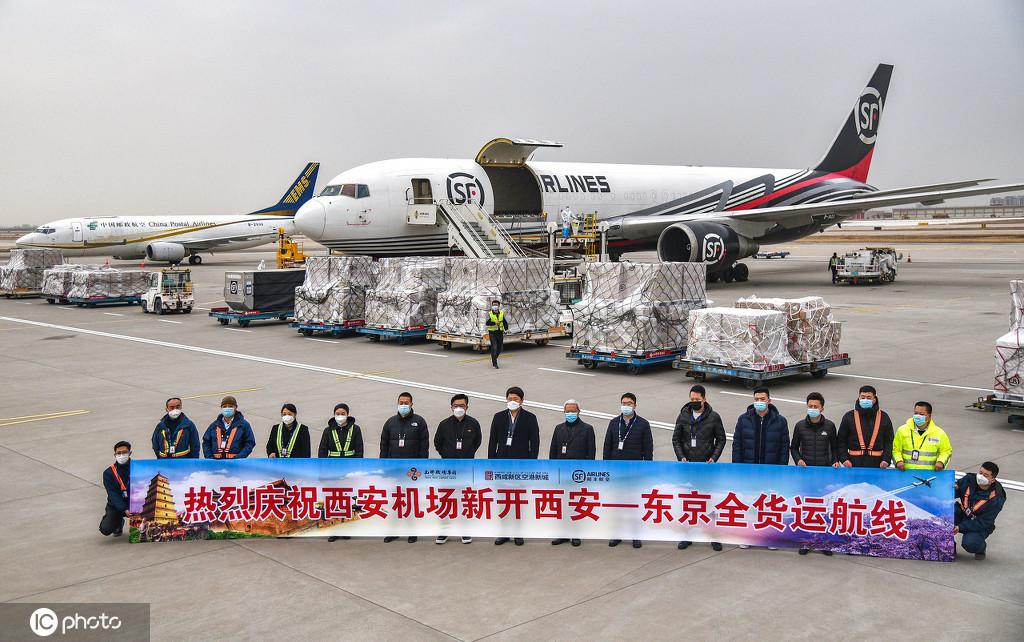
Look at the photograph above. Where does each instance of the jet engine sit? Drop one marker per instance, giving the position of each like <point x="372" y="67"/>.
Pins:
<point x="712" y="243"/>
<point x="169" y="252"/>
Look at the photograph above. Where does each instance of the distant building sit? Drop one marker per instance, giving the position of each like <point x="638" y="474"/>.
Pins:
<point x="1009" y="201"/>
<point x="981" y="211"/>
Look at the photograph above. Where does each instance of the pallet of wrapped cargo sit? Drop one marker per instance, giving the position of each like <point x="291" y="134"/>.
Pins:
<point x="107" y="286"/>
<point x="332" y="298"/>
<point x="1009" y="379"/>
<point x="530" y="305"/>
<point x="1016" y="304"/>
<point x="635" y="314"/>
<point x="403" y="303"/>
<point x="812" y="332"/>
<point x="57" y="281"/>
<point x="23" y="274"/>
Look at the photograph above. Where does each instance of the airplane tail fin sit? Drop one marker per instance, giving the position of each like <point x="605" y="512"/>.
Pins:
<point x="850" y="154"/>
<point x="300" y="191"/>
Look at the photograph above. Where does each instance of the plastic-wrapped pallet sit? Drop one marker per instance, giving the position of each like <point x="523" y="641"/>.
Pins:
<point x="35" y="258"/>
<point x="406" y="292"/>
<point x="637" y="307"/>
<point x="521" y="285"/>
<point x="334" y="290"/>
<point x="739" y="337"/>
<point x="58" y="279"/>
<point x="25" y="269"/>
<point x="813" y="333"/>
<point x="108" y="283"/>
<point x="1009" y="382"/>
<point x="1016" y="304"/>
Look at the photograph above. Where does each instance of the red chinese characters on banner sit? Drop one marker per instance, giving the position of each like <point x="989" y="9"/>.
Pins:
<point x="338" y="503"/>
<point x="373" y="501"/>
<point x="583" y="503"/>
<point x="889" y="519"/>
<point x="695" y="508"/>
<point x="443" y="503"/>
<point x="657" y="506"/>
<point x="809" y="514"/>
<point x="199" y="506"/>
<point x="848" y="517"/>
<point x="732" y="512"/>
<point x="235" y="504"/>
<point x="771" y="510"/>
<point x="547" y="504"/>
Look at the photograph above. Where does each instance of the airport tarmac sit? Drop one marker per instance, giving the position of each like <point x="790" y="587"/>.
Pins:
<point x="77" y="380"/>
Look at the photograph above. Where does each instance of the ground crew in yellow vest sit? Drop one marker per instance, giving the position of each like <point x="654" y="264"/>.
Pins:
<point x="342" y="436"/>
<point x="919" y="443"/>
<point x="176" y="437"/>
<point x="496" y="327"/>
<point x="289" y="439"/>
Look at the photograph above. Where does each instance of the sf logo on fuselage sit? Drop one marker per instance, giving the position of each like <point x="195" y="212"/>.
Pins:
<point x="867" y="114"/>
<point x="713" y="248"/>
<point x="465" y="188"/>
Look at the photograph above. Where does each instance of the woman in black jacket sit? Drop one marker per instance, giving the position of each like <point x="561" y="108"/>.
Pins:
<point x="289" y="438"/>
<point x="342" y="436"/>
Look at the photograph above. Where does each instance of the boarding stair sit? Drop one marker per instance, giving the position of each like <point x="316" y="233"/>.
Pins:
<point x="475" y="232"/>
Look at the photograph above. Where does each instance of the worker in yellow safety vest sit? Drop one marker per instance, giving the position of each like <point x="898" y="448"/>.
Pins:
<point x="496" y="327"/>
<point x="920" y="444"/>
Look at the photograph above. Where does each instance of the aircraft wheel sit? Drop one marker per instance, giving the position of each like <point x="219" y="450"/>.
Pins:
<point x="195" y="259"/>
<point x="728" y="275"/>
<point x="741" y="272"/>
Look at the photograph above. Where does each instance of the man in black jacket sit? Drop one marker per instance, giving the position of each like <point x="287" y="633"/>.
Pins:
<point x="457" y="437"/>
<point x="515" y="434"/>
<point x="699" y="436"/>
<point x="814" y="442"/>
<point x="404" y="435"/>
<point x="628" y="437"/>
<point x="117" y="483"/>
<point x="573" y="439"/>
<point x="865" y="434"/>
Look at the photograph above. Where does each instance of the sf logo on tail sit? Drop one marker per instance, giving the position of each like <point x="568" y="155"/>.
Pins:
<point x="867" y="113"/>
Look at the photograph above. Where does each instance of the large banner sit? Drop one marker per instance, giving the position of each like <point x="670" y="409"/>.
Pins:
<point x="883" y="513"/>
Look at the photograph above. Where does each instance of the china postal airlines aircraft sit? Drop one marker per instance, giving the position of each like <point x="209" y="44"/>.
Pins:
<point x="173" y="237"/>
<point x="716" y="215"/>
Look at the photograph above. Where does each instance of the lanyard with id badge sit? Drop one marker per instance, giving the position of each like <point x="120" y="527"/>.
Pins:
<point x="623" y="438"/>
<point x="915" y="452"/>
<point x="511" y="429"/>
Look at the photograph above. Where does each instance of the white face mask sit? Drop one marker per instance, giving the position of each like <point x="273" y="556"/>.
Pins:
<point x="174" y="413"/>
<point x="459" y="412"/>
<point x="287" y="420"/>
<point x="983" y="481"/>
<point x="341" y="420"/>
<point x="513" y="405"/>
<point x="494" y="307"/>
<point x="626" y="410"/>
<point x="122" y="459"/>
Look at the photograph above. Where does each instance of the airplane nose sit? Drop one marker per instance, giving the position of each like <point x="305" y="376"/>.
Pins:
<point x="311" y="219"/>
<point x="23" y="241"/>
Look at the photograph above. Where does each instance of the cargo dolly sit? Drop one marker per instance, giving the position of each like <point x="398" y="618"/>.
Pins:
<point x="1014" y="408"/>
<point x="634" y="362"/>
<point x="226" y="315"/>
<point x="779" y="254"/>
<point x="21" y="293"/>
<point x="92" y="302"/>
<point x="753" y="377"/>
<point x="401" y="335"/>
<point x="334" y="329"/>
<point x="481" y="343"/>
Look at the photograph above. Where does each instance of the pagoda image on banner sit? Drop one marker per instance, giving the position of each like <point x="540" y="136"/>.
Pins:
<point x="159" y="506"/>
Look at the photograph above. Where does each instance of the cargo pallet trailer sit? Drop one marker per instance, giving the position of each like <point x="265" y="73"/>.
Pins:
<point x="752" y="377"/>
<point x="634" y="362"/>
<point x="402" y="336"/>
<point x="482" y="343"/>
<point x="334" y="329"/>
<point x="21" y="293"/>
<point x="226" y="315"/>
<point x="1014" y="408"/>
<point x="92" y="302"/>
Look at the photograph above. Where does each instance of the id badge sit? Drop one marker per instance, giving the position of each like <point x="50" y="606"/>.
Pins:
<point x="171" y="450"/>
<point x="124" y="494"/>
<point x="223" y="444"/>
<point x="508" y="442"/>
<point x="693" y="442"/>
<point x="284" y="452"/>
<point x="915" y="455"/>
<point x="621" y="444"/>
<point x="401" y="443"/>
<point x="564" y="449"/>
<point x="458" y="445"/>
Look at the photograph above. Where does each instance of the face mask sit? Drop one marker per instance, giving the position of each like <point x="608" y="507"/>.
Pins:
<point x="983" y="481"/>
<point x="287" y="420"/>
<point x="626" y="410"/>
<point x="122" y="459"/>
<point x="813" y="413"/>
<point x="866" y="404"/>
<point x="697" y="405"/>
<point x="513" y="405"/>
<point x="459" y="412"/>
<point x="571" y="417"/>
<point x="494" y="307"/>
<point x="341" y="420"/>
<point x="404" y="409"/>
<point x="228" y="412"/>
<point x="760" y="406"/>
<point x="920" y="420"/>
<point x="174" y="414"/>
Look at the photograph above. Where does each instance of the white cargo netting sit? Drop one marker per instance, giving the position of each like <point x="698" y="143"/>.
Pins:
<point x="741" y="337"/>
<point x="1009" y="380"/>
<point x="1016" y="304"/>
<point x="637" y="307"/>
<point x="334" y="291"/>
<point x="108" y="283"/>
<point x="58" y="279"/>
<point x="812" y="332"/>
<point x="405" y="295"/>
<point x="25" y="269"/>
<point x="521" y="285"/>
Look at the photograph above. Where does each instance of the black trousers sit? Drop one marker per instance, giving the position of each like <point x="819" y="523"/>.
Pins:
<point x="497" y="344"/>
<point x="834" y="270"/>
<point x="112" y="522"/>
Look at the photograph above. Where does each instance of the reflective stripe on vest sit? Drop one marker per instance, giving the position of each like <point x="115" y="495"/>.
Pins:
<point x="341" y="452"/>
<point x="120" y="482"/>
<point x="167" y="445"/>
<point x="965" y="503"/>
<point x="494" y="321"/>
<point x="291" y="442"/>
<point x="860" y="435"/>
<point x="227" y="448"/>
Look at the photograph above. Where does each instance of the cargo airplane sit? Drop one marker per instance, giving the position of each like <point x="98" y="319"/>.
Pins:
<point x="715" y="215"/>
<point x="173" y="237"/>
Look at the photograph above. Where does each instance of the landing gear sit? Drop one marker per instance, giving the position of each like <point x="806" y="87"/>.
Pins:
<point x="195" y="259"/>
<point x="738" y="272"/>
<point x="741" y="272"/>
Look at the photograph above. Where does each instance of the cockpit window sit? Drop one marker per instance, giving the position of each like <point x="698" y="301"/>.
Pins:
<point x="45" y="230"/>
<point x="349" y="189"/>
<point x="352" y="190"/>
<point x="362" y="191"/>
<point x="332" y="190"/>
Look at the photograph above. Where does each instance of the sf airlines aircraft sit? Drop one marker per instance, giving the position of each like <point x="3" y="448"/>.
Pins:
<point x="715" y="215"/>
<point x="171" y="238"/>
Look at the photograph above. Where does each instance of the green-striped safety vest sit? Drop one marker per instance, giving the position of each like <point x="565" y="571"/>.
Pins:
<point x="281" y="451"/>
<point x="494" y="321"/>
<point x="338" y="450"/>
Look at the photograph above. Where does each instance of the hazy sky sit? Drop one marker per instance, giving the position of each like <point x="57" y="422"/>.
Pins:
<point x="145" y="107"/>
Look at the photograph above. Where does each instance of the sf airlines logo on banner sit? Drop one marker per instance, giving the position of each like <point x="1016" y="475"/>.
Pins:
<point x="883" y="513"/>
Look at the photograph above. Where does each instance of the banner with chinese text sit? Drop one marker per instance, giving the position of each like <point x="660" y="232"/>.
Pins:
<point x="884" y="513"/>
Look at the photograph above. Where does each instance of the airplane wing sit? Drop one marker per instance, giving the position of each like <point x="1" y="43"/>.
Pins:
<point x="826" y="213"/>
<point x="204" y="245"/>
<point x="928" y="188"/>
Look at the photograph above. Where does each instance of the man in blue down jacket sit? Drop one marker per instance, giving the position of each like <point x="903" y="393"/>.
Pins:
<point x="762" y="434"/>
